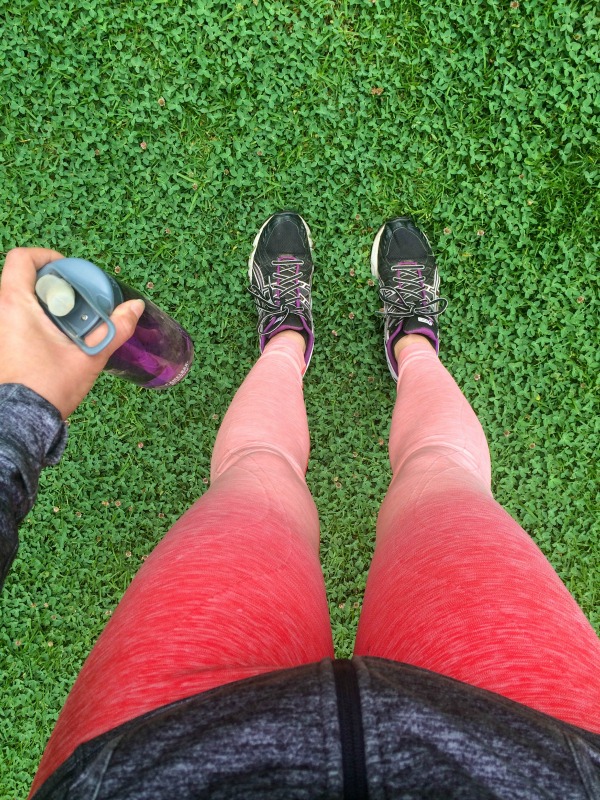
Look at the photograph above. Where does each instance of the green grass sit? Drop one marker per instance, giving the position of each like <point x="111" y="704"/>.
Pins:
<point x="487" y="121"/>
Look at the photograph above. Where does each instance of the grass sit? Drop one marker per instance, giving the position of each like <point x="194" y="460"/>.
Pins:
<point x="479" y="118"/>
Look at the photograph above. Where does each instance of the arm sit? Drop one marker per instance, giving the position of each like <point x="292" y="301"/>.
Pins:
<point x="32" y="435"/>
<point x="43" y="378"/>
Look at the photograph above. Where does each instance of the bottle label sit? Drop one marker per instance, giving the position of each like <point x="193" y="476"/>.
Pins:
<point x="180" y="375"/>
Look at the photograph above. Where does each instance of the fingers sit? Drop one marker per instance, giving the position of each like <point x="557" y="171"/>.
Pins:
<point x="21" y="265"/>
<point x="125" y="318"/>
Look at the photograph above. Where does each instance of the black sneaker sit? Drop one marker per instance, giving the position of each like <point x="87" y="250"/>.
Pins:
<point x="280" y="271"/>
<point x="403" y="263"/>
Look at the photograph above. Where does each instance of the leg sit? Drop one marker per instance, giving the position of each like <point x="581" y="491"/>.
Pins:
<point x="235" y="589"/>
<point x="456" y="586"/>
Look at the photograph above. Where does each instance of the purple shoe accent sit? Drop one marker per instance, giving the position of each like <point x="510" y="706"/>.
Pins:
<point x="389" y="349"/>
<point x="423" y="292"/>
<point x="429" y="334"/>
<point x="309" y="336"/>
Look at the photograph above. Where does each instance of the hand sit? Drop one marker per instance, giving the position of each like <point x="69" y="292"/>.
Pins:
<point x="34" y="352"/>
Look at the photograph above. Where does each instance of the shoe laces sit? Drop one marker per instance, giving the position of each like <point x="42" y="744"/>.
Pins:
<point x="406" y="299"/>
<point x="285" y="293"/>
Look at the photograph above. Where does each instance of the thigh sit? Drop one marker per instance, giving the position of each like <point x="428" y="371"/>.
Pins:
<point x="235" y="589"/>
<point x="458" y="587"/>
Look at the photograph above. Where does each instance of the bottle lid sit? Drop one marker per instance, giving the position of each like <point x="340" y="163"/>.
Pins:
<point x="78" y="297"/>
<point x="57" y="294"/>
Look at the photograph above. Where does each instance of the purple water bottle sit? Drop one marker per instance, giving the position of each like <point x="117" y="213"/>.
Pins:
<point x="78" y="297"/>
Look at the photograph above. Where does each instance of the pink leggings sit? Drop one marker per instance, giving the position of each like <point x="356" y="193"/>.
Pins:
<point x="235" y="589"/>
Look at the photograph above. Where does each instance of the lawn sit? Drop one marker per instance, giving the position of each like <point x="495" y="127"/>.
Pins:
<point x="158" y="137"/>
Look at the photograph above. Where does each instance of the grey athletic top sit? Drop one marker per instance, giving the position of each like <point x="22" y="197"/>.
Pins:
<point x="366" y="728"/>
<point x="32" y="436"/>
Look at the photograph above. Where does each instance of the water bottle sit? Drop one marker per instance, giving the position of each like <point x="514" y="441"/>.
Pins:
<point x="78" y="297"/>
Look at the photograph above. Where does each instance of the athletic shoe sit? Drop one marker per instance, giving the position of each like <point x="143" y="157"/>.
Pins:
<point x="280" y="271"/>
<point x="402" y="261"/>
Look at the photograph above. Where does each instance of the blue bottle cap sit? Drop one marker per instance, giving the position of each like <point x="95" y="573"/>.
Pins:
<point x="95" y="297"/>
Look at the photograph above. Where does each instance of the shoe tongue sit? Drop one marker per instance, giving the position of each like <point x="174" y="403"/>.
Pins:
<point x="423" y="324"/>
<point x="293" y="322"/>
<point x="406" y="246"/>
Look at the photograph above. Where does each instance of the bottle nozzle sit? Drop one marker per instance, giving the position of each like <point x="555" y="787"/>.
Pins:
<point x="56" y="294"/>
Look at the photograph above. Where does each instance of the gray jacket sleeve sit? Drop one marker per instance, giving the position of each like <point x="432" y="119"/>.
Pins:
<point x="32" y="436"/>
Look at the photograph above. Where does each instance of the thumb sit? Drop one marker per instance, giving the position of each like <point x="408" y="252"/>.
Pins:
<point x="125" y="318"/>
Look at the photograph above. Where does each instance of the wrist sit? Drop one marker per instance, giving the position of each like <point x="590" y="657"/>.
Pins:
<point x="26" y="415"/>
<point x="49" y="394"/>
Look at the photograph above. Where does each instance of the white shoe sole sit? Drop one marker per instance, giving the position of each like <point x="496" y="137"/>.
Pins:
<point x="375" y="252"/>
